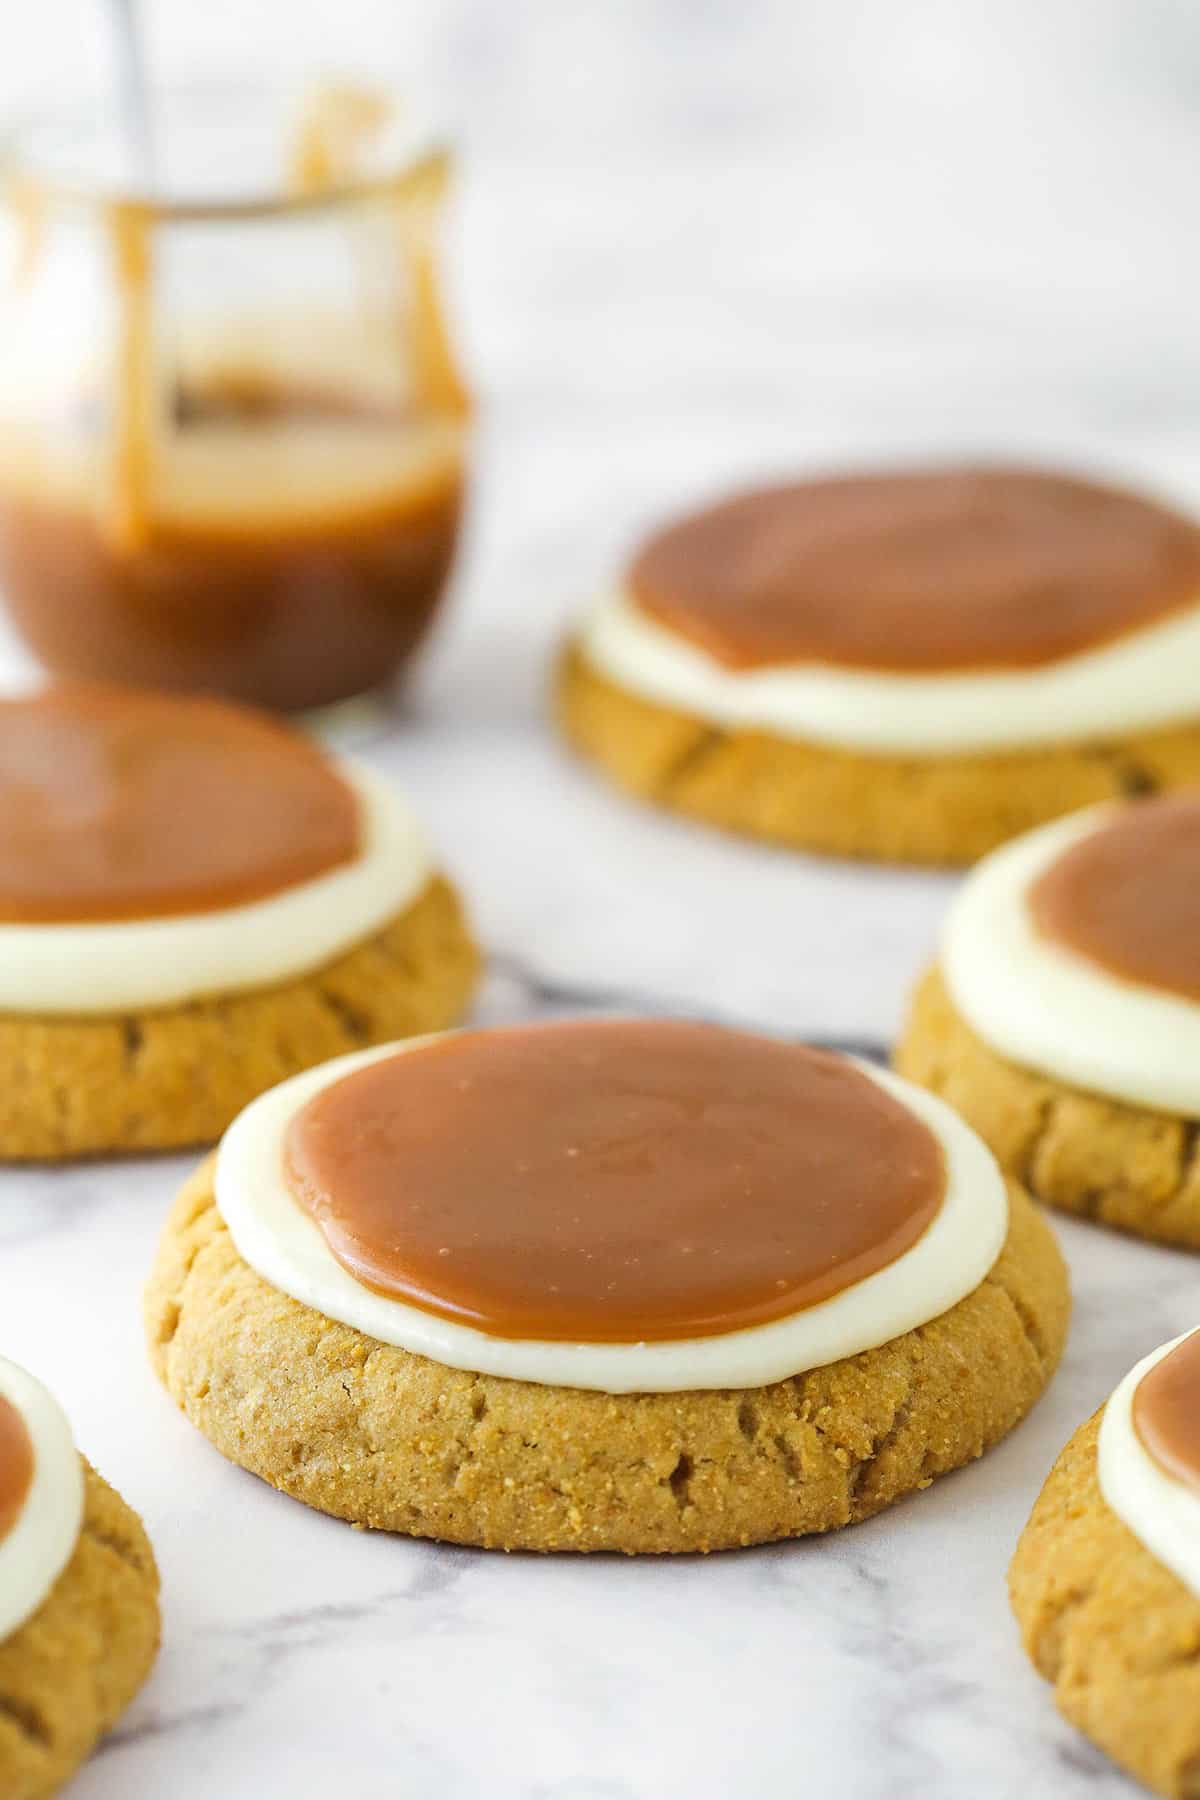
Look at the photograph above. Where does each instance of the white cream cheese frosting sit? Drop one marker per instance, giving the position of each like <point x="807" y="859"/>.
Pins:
<point x="1159" y="1510"/>
<point x="34" y="1553"/>
<point x="1040" y="1004"/>
<point x="1141" y="681"/>
<point x="140" y="964"/>
<point x="281" y="1241"/>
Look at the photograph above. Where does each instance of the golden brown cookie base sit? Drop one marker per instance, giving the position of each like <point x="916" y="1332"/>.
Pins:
<point x="386" y="1439"/>
<point x="170" y="1079"/>
<point x="1115" y="1631"/>
<point x="1124" y="1166"/>
<point x="943" y="809"/>
<point x="69" y="1672"/>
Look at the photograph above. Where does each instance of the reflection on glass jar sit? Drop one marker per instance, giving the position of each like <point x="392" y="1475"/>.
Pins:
<point x="232" y="434"/>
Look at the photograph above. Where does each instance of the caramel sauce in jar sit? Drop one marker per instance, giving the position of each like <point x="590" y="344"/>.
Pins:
<point x="294" y="554"/>
<point x="257" y="494"/>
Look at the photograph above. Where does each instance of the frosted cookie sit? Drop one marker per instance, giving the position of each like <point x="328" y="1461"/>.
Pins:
<point x="1106" y="1577"/>
<point x="78" y="1596"/>
<point x="618" y="1285"/>
<point x="195" y="902"/>
<point x="1063" y="1017"/>
<point x="912" y="666"/>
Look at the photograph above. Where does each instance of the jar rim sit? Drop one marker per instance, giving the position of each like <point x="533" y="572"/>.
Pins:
<point x="419" y="165"/>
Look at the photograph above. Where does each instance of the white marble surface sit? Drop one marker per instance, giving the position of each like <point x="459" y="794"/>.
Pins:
<point x="696" y="241"/>
<point x="302" y="1658"/>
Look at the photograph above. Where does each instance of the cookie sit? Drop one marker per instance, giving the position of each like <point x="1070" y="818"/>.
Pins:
<point x="1122" y="1166"/>
<point x="944" y="811"/>
<point x="70" y="1671"/>
<point x="1112" y="1626"/>
<point x="78" y="1596"/>
<point x="194" y="902"/>
<point x="1080" y="1076"/>
<point x="912" y="667"/>
<point x="165" y="1080"/>
<point x="395" y="1439"/>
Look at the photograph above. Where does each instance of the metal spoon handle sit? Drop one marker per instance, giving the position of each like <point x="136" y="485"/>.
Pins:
<point x="134" y="91"/>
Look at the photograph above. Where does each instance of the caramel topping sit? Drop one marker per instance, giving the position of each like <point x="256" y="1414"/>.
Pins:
<point x="16" y="1465"/>
<point x="116" y="804"/>
<point x="1127" y="896"/>
<point x="613" y="1181"/>
<point x="1166" y="1412"/>
<point x="931" y="570"/>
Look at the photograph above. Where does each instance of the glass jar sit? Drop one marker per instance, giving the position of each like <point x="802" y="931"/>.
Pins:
<point x="232" y="434"/>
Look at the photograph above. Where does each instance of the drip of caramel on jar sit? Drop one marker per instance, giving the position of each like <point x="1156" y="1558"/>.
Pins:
<point x="130" y="230"/>
<point x="938" y="570"/>
<point x="1166" y="1412"/>
<point x="16" y="1465"/>
<point x="613" y="1181"/>
<point x="339" y="125"/>
<point x="1127" y="896"/>
<point x="116" y="804"/>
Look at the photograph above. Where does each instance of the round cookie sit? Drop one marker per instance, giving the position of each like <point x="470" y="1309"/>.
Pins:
<point x="79" y="1622"/>
<point x="902" y="749"/>
<point x="945" y="811"/>
<point x="1078" y="1078"/>
<point x="398" y="1440"/>
<point x="70" y="1671"/>
<point x="1113" y="1627"/>
<point x="1123" y="1166"/>
<point x="172" y="1078"/>
<point x="197" y="903"/>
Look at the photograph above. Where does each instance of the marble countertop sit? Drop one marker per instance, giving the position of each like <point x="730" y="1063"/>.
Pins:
<point x="303" y="1658"/>
<point x="683" y="257"/>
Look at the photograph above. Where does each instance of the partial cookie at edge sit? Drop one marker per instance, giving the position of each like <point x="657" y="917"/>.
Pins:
<point x="68" y="1673"/>
<point x="177" y="1077"/>
<point x="1113" y="1629"/>
<point x="394" y="1441"/>
<point x="810" y="796"/>
<point x="1124" y="1166"/>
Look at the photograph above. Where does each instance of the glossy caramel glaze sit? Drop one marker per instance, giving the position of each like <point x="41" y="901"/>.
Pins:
<point x="613" y="1181"/>
<point x="950" y="569"/>
<point x="1166" y="1412"/>
<point x="16" y="1465"/>
<point x="117" y="804"/>
<point x="1127" y="897"/>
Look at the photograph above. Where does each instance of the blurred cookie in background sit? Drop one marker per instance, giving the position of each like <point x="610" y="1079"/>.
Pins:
<point x="911" y="666"/>
<point x="195" y="901"/>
